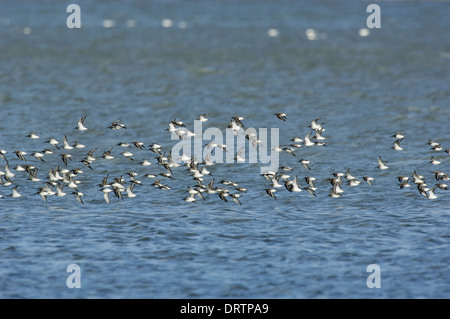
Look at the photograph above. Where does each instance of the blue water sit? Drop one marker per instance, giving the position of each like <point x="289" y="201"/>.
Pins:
<point x="221" y="61"/>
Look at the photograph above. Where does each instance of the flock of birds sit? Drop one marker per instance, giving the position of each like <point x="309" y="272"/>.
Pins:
<point x="61" y="177"/>
<point x="337" y="180"/>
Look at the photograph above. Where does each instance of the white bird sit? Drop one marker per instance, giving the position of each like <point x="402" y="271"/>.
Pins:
<point x="129" y="191"/>
<point x="382" y="165"/>
<point x="47" y="151"/>
<point x="145" y="163"/>
<point x="307" y="140"/>
<point x="78" y="145"/>
<point x="106" y="192"/>
<point x="155" y="148"/>
<point x="433" y="144"/>
<point x="337" y="188"/>
<point x="43" y="191"/>
<point x="123" y="144"/>
<point x="71" y="183"/>
<point x="2" y="154"/>
<point x="185" y="133"/>
<point x="66" y="146"/>
<point x="418" y="179"/>
<point x="369" y="180"/>
<point x="117" y="126"/>
<point x="397" y="146"/>
<point x="271" y="192"/>
<point x="78" y="196"/>
<point x="190" y="198"/>
<point x="207" y="160"/>
<point x="354" y="182"/>
<point x="277" y="149"/>
<point x="238" y="120"/>
<point x="177" y="123"/>
<point x="53" y="143"/>
<point x="210" y="189"/>
<point x="20" y="154"/>
<point x="240" y="158"/>
<point x="7" y="181"/>
<point x="310" y="181"/>
<point x="311" y="190"/>
<point x="33" y="176"/>
<point x="404" y="184"/>
<point x="296" y="139"/>
<point x="236" y="198"/>
<point x="315" y="125"/>
<point x="33" y="136"/>
<point x="348" y="176"/>
<point x="66" y="157"/>
<point x="319" y="136"/>
<point x="281" y="116"/>
<point x="80" y="124"/>
<point x="398" y="136"/>
<point x="234" y="127"/>
<point x="293" y="185"/>
<point x="204" y="171"/>
<point x="431" y="194"/>
<point x="59" y="190"/>
<point x="437" y="148"/>
<point x="38" y="156"/>
<point x="90" y="156"/>
<point x="8" y="172"/>
<point x="107" y="154"/>
<point x="289" y="150"/>
<point x="275" y="182"/>
<point x="202" y="117"/>
<point x="434" y="161"/>
<point x="15" y="193"/>
<point x="128" y="155"/>
<point x="305" y="163"/>
<point x="334" y="192"/>
<point x="139" y="145"/>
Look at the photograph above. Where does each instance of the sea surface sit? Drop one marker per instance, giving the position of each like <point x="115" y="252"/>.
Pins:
<point x="147" y="63"/>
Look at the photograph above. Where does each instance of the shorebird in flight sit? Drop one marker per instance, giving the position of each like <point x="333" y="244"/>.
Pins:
<point x="281" y="116"/>
<point x="80" y="124"/>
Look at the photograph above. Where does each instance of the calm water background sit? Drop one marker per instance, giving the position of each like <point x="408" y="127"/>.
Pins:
<point x="224" y="63"/>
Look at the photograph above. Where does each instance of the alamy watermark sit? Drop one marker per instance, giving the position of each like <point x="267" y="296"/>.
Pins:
<point x="374" y="19"/>
<point x="237" y="145"/>
<point x="374" y="279"/>
<point x="74" y="19"/>
<point x="74" y="279"/>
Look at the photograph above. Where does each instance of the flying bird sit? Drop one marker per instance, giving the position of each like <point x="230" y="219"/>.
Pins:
<point x="80" y="124"/>
<point x="305" y="163"/>
<point x="281" y="116"/>
<point x="381" y="164"/>
<point x="271" y="192"/>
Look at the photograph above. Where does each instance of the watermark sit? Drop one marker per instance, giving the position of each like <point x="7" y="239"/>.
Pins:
<point x="74" y="279"/>
<point x="213" y="146"/>
<point x="74" y="19"/>
<point x="374" y="19"/>
<point x="374" y="279"/>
